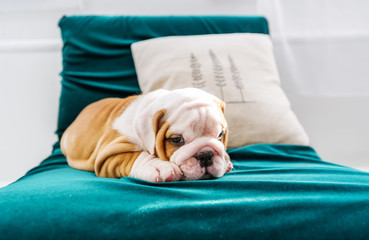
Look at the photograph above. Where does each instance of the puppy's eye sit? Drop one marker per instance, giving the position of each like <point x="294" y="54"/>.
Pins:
<point x="221" y="135"/>
<point x="176" y="140"/>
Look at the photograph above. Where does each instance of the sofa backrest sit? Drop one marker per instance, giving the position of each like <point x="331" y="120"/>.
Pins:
<point x="97" y="60"/>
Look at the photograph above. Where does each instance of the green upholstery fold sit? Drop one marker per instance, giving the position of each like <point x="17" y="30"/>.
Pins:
<point x="275" y="191"/>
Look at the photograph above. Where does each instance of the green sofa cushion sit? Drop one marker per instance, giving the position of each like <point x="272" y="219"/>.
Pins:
<point x="274" y="192"/>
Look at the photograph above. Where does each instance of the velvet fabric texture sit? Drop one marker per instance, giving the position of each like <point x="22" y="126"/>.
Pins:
<point x="275" y="191"/>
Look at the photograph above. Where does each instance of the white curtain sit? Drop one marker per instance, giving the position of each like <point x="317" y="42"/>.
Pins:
<point x="322" y="46"/>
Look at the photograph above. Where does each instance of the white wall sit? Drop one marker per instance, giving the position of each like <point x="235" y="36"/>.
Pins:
<point x="30" y="63"/>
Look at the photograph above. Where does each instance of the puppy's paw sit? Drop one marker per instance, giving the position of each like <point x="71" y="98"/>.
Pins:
<point x="156" y="170"/>
<point x="163" y="171"/>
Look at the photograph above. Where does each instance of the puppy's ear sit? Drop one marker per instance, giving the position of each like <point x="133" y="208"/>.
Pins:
<point x="225" y="138"/>
<point x="156" y="120"/>
<point x="160" y="128"/>
<point x="146" y="127"/>
<point x="220" y="104"/>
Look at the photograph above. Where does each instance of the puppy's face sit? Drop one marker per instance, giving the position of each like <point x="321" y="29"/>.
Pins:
<point x="193" y="136"/>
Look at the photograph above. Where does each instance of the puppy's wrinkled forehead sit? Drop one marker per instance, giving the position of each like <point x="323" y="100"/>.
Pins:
<point x="197" y="112"/>
<point x="198" y="121"/>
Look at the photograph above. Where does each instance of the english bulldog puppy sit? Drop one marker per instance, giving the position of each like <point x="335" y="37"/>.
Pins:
<point x="160" y="136"/>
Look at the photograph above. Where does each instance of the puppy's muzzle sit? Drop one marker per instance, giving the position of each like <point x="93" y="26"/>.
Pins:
<point x="205" y="158"/>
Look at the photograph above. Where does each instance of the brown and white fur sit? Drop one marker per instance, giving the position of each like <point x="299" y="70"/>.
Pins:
<point x="160" y="136"/>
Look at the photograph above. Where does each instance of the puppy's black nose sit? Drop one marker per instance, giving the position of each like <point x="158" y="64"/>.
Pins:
<point x="205" y="158"/>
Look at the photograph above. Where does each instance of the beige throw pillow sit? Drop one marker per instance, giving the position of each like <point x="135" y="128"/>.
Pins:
<point x="238" y="68"/>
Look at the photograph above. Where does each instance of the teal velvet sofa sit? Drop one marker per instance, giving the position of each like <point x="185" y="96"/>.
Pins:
<point x="275" y="191"/>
